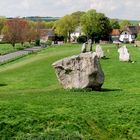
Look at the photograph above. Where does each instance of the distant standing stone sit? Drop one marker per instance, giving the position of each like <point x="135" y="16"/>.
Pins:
<point x="90" y="45"/>
<point x="84" y="48"/>
<point x="80" y="71"/>
<point x="99" y="51"/>
<point x="124" y="54"/>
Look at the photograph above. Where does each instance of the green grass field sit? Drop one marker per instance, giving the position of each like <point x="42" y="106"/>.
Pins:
<point x="33" y="105"/>
<point x="7" y="48"/>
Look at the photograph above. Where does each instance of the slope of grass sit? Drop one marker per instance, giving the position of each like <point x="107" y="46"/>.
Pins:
<point x="33" y="104"/>
<point x="7" y="48"/>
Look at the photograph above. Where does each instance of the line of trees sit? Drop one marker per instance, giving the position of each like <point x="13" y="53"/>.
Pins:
<point x="94" y="25"/>
<point x="18" y="30"/>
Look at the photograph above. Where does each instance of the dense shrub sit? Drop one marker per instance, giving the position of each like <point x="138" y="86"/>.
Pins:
<point x="82" y="39"/>
<point x="3" y="42"/>
<point x="48" y="42"/>
<point x="37" y="42"/>
<point x="27" y="45"/>
<point x="138" y="37"/>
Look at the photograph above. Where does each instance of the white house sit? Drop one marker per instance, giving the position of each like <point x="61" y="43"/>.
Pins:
<point x="114" y="35"/>
<point x="126" y="36"/>
<point x="129" y="34"/>
<point x="76" y="34"/>
<point x="46" y="34"/>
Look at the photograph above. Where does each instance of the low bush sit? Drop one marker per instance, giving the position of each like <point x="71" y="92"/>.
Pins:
<point x="37" y="42"/>
<point x="27" y="45"/>
<point x="48" y="42"/>
<point x="138" y="37"/>
<point x="3" y="42"/>
<point x="82" y="39"/>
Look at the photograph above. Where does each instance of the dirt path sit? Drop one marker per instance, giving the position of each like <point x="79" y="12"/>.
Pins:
<point x="14" y="55"/>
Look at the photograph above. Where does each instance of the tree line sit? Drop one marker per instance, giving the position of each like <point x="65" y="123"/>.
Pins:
<point x="19" y="30"/>
<point x="94" y="25"/>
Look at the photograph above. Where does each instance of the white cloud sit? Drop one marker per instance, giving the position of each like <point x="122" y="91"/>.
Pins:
<point x="126" y="9"/>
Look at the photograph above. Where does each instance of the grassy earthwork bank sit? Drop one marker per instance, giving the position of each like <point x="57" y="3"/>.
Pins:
<point x="33" y="105"/>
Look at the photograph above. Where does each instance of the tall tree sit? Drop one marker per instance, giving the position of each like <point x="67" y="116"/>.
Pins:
<point x="95" y="25"/>
<point x="124" y="23"/>
<point x="50" y="24"/>
<point x="65" y="26"/>
<point x="41" y="24"/>
<point x="2" y="23"/>
<point x="77" y="16"/>
<point x="15" y="31"/>
<point x="114" y="24"/>
<point x="31" y="33"/>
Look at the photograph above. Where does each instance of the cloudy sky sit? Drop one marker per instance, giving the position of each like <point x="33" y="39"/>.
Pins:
<point x="123" y="9"/>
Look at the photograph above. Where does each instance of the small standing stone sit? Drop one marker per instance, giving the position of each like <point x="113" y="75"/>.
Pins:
<point x="84" y="48"/>
<point x="99" y="51"/>
<point x="90" y="45"/>
<point x="124" y="54"/>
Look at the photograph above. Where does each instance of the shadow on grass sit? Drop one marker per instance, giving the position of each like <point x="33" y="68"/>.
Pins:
<point x="3" y="85"/>
<point x="109" y="90"/>
<point x="95" y="90"/>
<point x="104" y="58"/>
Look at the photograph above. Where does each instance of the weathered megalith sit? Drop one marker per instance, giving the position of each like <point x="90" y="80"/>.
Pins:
<point x="84" y="48"/>
<point x="80" y="71"/>
<point x="90" y="45"/>
<point x="124" y="54"/>
<point x="99" y="51"/>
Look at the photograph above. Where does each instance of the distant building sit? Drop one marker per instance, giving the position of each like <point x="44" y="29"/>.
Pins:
<point x="115" y="34"/>
<point x="46" y="34"/>
<point x="1" y="37"/>
<point x="129" y="34"/>
<point x="76" y="34"/>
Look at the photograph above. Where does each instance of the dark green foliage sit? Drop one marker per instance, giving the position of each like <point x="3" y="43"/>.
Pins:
<point x="124" y="23"/>
<point x="82" y="39"/>
<point x="49" y="43"/>
<point x="114" y="24"/>
<point x="37" y="42"/>
<point x="138" y="37"/>
<point x="77" y="16"/>
<point x="95" y="25"/>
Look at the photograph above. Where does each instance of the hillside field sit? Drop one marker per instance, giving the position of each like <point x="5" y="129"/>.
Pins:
<point x="33" y="105"/>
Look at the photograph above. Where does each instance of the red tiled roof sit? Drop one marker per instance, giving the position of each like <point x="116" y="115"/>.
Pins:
<point x="115" y="32"/>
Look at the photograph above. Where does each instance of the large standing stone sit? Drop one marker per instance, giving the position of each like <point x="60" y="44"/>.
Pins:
<point x="80" y="71"/>
<point x="99" y="51"/>
<point x="123" y="54"/>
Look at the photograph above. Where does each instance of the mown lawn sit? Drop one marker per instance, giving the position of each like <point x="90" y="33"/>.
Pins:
<point x="7" y="48"/>
<point x="33" y="105"/>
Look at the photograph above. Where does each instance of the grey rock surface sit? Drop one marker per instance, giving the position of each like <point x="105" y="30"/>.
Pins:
<point x="80" y="71"/>
<point x="124" y="54"/>
<point x="99" y="51"/>
<point x="84" y="48"/>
